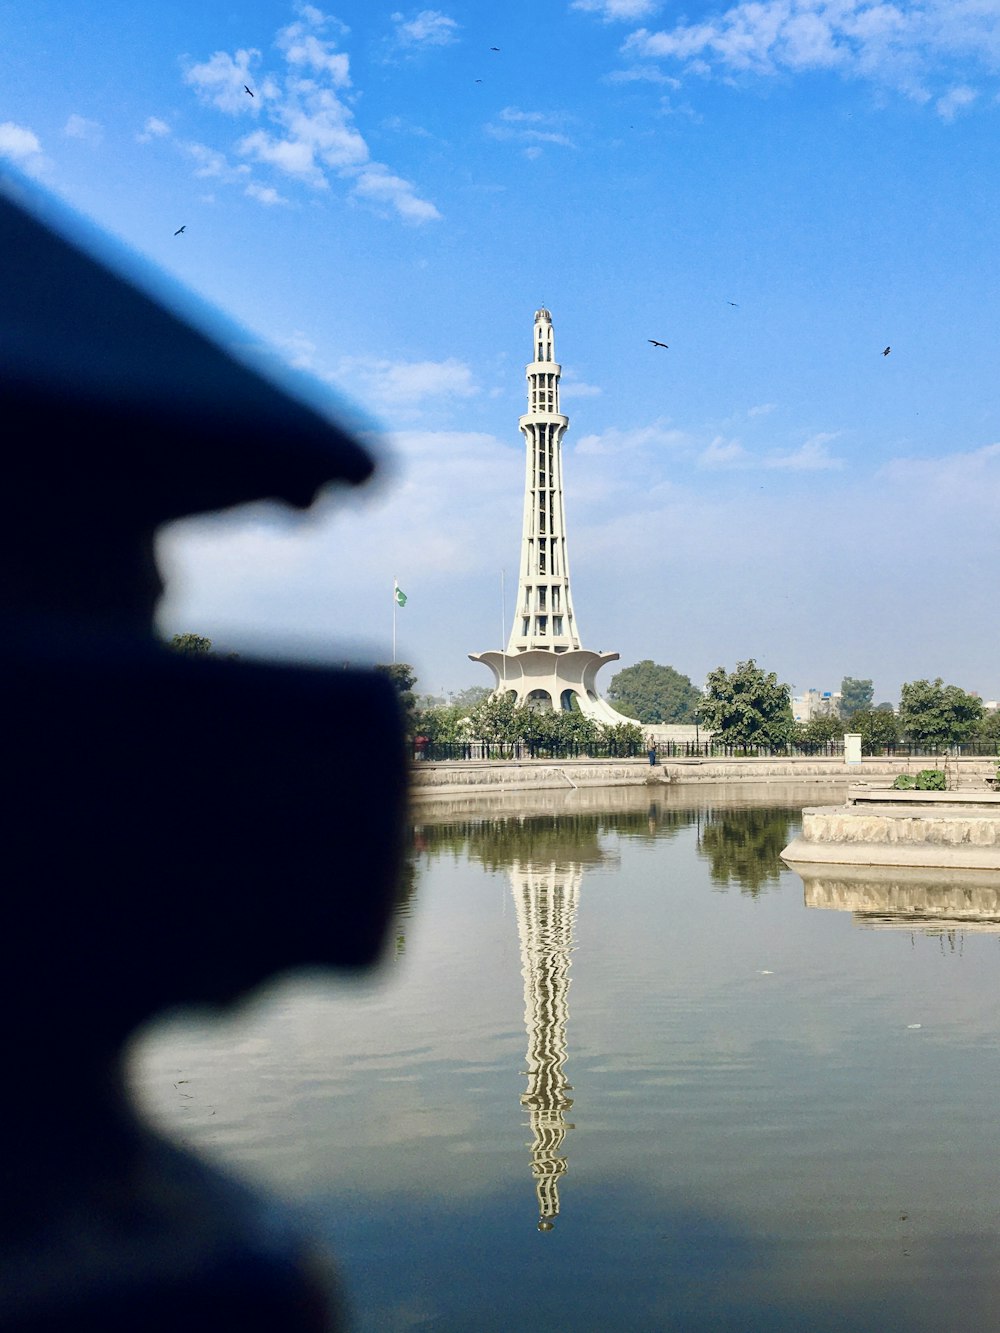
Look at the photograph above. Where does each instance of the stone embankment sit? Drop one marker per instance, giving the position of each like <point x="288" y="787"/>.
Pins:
<point x="955" y="829"/>
<point x="430" y="779"/>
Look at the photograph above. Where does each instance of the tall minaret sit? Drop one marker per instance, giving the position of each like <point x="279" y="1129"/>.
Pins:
<point x="545" y="664"/>
<point x="543" y="614"/>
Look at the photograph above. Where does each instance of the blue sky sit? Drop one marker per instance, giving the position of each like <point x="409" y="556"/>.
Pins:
<point x="396" y="199"/>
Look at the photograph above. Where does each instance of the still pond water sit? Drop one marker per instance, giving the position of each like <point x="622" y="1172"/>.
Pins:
<point x="624" y="1070"/>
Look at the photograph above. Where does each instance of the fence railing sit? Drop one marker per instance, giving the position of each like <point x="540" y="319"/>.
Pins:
<point x="520" y="750"/>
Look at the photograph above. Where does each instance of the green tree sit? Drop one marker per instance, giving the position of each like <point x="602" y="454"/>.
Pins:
<point x="403" y="676"/>
<point x="747" y="707"/>
<point x="623" y="739"/>
<point x="820" y="730"/>
<point x="988" y="729"/>
<point x="877" y="728"/>
<point x="468" y="698"/>
<point x="855" y="695"/>
<point x="653" y="693"/>
<point x="496" y="720"/>
<point x="933" y="714"/>
<point x="192" y="644"/>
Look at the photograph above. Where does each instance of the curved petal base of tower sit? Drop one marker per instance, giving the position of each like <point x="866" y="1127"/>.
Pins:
<point x="547" y="679"/>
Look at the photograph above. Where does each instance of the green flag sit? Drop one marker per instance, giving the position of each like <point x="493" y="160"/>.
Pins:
<point x="399" y="595"/>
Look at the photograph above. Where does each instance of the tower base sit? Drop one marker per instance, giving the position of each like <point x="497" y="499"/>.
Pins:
<point x="547" y="679"/>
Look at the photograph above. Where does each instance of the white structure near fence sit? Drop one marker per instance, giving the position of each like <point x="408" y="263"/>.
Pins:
<point x="545" y="664"/>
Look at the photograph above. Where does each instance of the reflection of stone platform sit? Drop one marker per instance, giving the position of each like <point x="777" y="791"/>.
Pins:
<point x="950" y="830"/>
<point x="886" y="897"/>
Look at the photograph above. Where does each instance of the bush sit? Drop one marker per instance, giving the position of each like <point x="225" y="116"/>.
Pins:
<point x="905" y="782"/>
<point x="930" y="779"/>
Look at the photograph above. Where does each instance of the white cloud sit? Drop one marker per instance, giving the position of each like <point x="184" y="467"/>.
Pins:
<point x="621" y="440"/>
<point x="723" y="453"/>
<point x="532" y="128"/>
<point x="220" y="81"/>
<point x="309" y="134"/>
<point x="610" y="10"/>
<point x="265" y="194"/>
<point x="970" y="479"/>
<point x="642" y="74"/>
<point x="377" y="184"/>
<point x="78" y="127"/>
<point x="304" y="48"/>
<point x="904" y="45"/>
<point x="154" y="128"/>
<point x="812" y="456"/>
<point x="955" y="100"/>
<point x="428" y="28"/>
<point x="571" y="389"/>
<point x="21" y="146"/>
<point x="212" y="165"/>
<point x="401" y="386"/>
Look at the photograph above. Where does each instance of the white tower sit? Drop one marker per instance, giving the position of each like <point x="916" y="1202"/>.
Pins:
<point x="545" y="664"/>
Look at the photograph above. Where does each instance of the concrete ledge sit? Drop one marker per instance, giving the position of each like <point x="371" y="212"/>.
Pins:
<point x="432" y="778"/>
<point x="945" y="834"/>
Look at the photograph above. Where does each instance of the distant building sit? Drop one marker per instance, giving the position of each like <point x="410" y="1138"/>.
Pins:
<point x="814" y="703"/>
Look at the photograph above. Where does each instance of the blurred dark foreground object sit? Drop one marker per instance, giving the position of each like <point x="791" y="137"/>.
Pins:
<point x="176" y="829"/>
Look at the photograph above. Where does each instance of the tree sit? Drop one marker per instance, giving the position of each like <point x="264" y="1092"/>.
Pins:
<point x="191" y="644"/>
<point x="470" y="696"/>
<point x="654" y="693"/>
<point x="934" y="714"/>
<point x="988" y="729"/>
<point x="622" y="738"/>
<point x="403" y="676"/>
<point x="877" y="728"/>
<point x="747" y="707"/>
<point x="855" y="695"/>
<point x="821" y="729"/>
<point x="496" y="720"/>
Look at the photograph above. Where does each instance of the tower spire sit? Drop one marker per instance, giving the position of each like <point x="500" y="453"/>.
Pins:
<point x="543" y="612"/>
<point x="545" y="663"/>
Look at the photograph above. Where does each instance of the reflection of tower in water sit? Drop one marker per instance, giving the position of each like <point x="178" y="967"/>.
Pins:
<point x="546" y="897"/>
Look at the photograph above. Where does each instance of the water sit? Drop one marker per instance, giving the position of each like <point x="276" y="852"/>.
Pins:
<point x="617" y="1074"/>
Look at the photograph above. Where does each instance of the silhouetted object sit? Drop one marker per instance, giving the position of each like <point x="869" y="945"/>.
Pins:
<point x="180" y="229"/>
<point x="247" y="90"/>
<point x="179" y="828"/>
<point x="886" y="351"/>
<point x="656" y="344"/>
<point x="494" y="48"/>
<point x="734" y="304"/>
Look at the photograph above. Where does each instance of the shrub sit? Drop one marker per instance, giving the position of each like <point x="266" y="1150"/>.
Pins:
<point x="931" y="779"/>
<point x="905" y="782"/>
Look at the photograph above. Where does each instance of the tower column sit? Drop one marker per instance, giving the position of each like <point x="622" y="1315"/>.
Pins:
<point x="545" y="663"/>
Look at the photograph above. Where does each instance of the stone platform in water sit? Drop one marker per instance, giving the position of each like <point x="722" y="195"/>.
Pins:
<point x="882" y="827"/>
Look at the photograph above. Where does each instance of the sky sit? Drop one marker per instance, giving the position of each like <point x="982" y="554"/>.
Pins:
<point x="778" y="190"/>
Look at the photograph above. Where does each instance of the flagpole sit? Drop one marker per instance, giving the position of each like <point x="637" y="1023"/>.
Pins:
<point x="395" y="585"/>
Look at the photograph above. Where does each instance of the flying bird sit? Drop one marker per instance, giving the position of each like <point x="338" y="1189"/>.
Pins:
<point x="180" y="229"/>
<point x="494" y="48"/>
<point x="656" y="344"/>
<point x="734" y="303"/>
<point x="247" y="90"/>
<point x="886" y="351"/>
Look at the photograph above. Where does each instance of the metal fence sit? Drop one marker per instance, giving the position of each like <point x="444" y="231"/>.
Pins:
<point x="490" y="751"/>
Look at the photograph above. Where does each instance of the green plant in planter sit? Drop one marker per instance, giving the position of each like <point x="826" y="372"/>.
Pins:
<point x="905" y="782"/>
<point x="931" y="779"/>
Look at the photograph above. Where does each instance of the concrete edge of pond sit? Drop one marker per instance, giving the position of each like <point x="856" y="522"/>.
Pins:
<point x="429" y="778"/>
<point x="879" y="827"/>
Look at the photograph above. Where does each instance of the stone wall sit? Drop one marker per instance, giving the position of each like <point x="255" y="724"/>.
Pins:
<point x="429" y="779"/>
